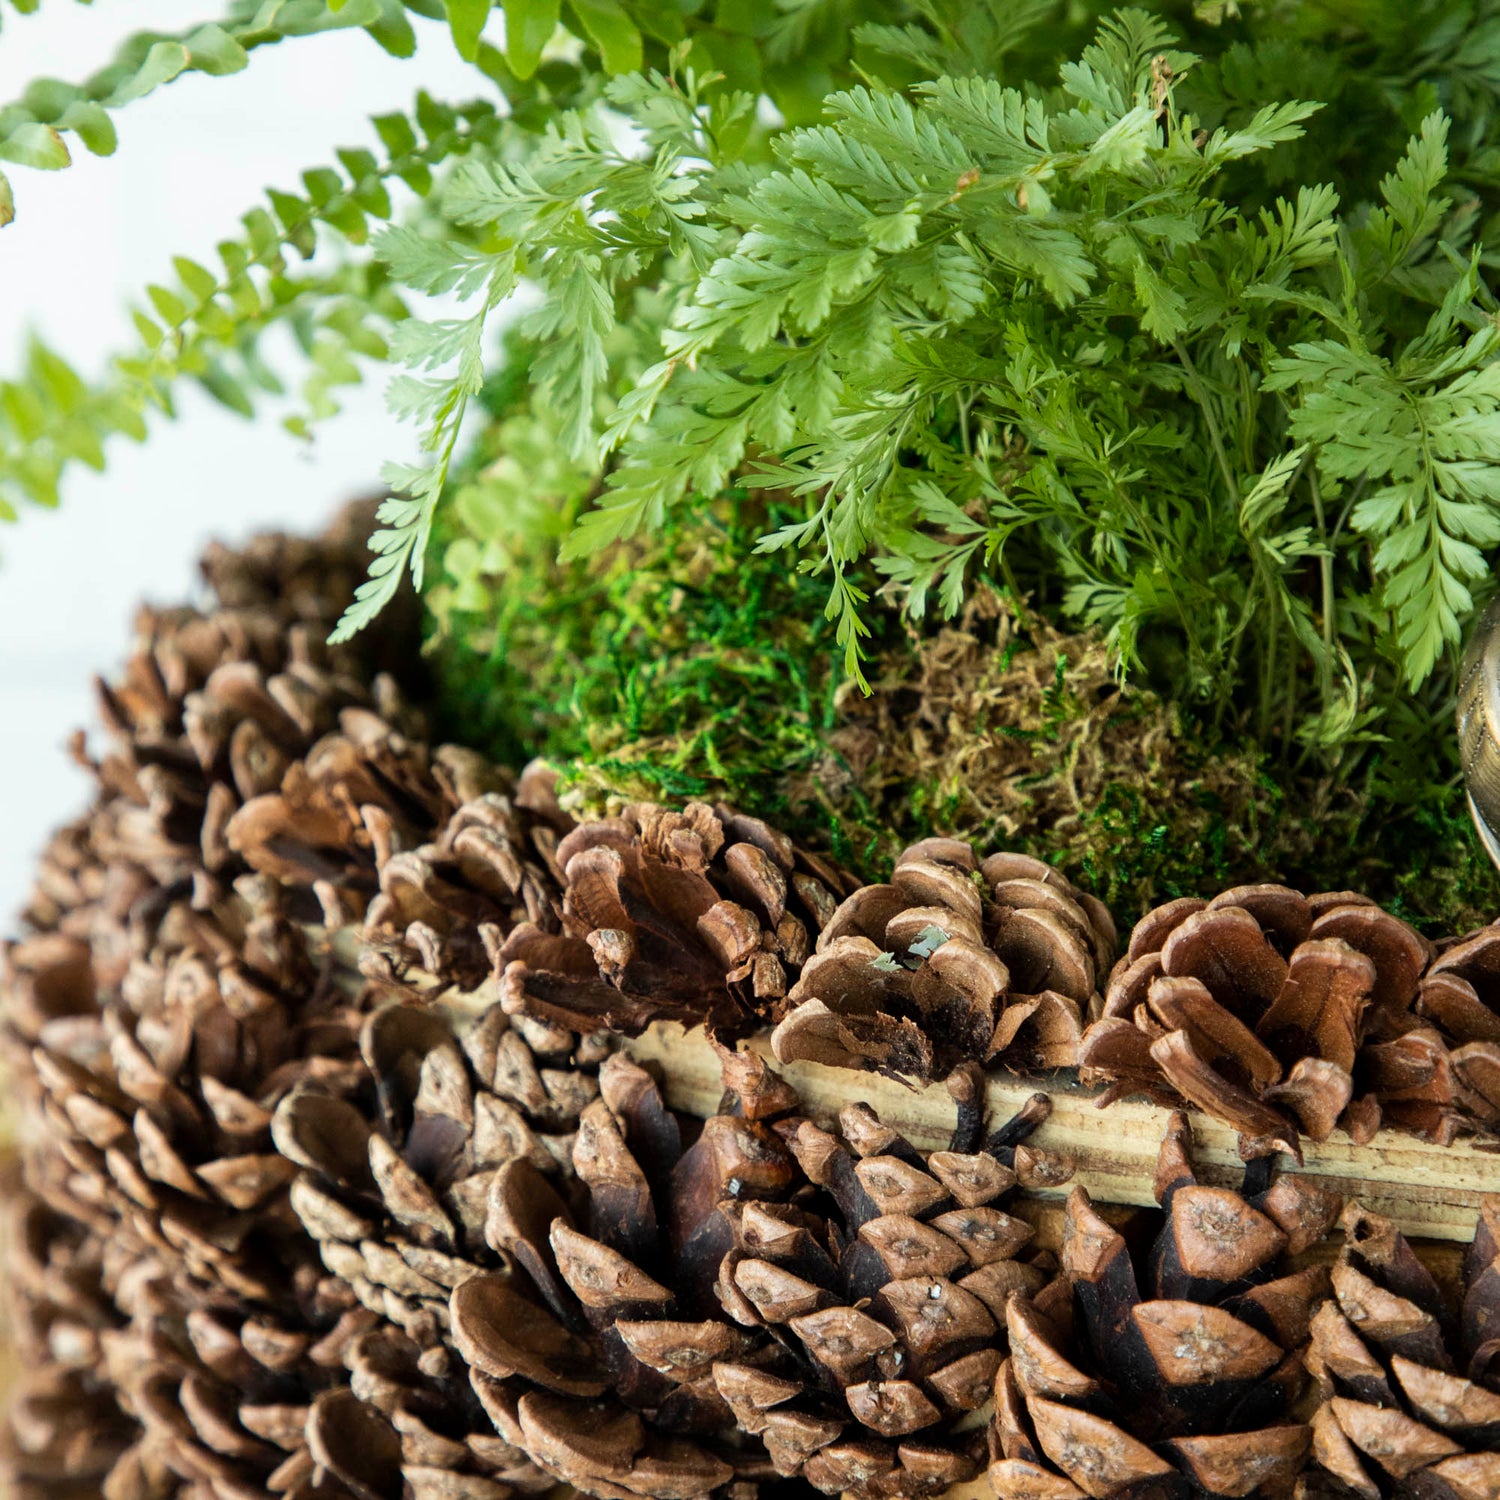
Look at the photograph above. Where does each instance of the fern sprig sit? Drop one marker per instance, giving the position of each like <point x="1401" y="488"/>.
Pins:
<point x="33" y="129"/>
<point x="581" y="220"/>
<point x="206" y="325"/>
<point x="438" y="403"/>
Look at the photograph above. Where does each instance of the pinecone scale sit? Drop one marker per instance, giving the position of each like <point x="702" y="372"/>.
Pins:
<point x="1407" y="1376"/>
<point x="1171" y="1370"/>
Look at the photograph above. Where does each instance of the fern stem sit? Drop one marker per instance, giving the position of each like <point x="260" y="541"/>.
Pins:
<point x="1201" y="396"/>
<point x="1325" y="573"/>
<point x="1267" y="667"/>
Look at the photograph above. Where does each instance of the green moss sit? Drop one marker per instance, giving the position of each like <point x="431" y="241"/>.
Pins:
<point x="672" y="669"/>
<point x="690" y="666"/>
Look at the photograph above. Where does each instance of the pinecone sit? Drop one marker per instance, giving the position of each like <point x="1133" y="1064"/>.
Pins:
<point x="1186" y="1391"/>
<point x="1454" y="1070"/>
<point x="251" y="1380"/>
<point x="698" y="916"/>
<point x="65" y="1428"/>
<point x="150" y="1117"/>
<point x="242" y="741"/>
<point x="446" y="908"/>
<point x="767" y="1299"/>
<point x="1409" y="1380"/>
<point x="1254" y="1007"/>
<point x="149" y="1137"/>
<point x="252" y="1403"/>
<point x="168" y="998"/>
<point x="397" y="1184"/>
<point x="954" y="961"/>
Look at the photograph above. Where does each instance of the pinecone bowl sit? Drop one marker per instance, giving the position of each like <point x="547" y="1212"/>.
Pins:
<point x="385" y="1131"/>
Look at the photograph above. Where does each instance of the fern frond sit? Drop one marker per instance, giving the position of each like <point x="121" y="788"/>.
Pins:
<point x="51" y="419"/>
<point x="34" y="129"/>
<point x="205" y="324"/>
<point x="438" y="405"/>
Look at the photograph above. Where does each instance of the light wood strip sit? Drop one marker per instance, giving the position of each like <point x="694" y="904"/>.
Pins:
<point x="1430" y="1190"/>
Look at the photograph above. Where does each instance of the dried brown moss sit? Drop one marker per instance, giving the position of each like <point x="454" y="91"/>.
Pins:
<point x="1018" y="735"/>
<point x="1021" y="736"/>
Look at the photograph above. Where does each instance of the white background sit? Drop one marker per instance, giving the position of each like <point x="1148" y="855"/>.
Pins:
<point x="192" y="157"/>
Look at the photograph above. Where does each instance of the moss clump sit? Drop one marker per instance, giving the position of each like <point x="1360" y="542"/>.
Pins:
<point x="1020" y="736"/>
<point x="689" y="666"/>
<point x="1017" y="735"/>
<point x="671" y="668"/>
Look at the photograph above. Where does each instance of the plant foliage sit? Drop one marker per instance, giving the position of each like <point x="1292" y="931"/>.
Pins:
<point x="205" y="325"/>
<point x="1176" y="327"/>
<point x="1030" y="331"/>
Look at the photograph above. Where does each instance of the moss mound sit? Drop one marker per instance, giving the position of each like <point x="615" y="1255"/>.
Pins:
<point x="689" y="666"/>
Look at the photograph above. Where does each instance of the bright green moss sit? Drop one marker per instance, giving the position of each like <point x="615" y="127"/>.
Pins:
<point x="690" y="666"/>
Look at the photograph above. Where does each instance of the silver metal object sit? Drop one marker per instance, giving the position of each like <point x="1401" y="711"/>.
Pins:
<point x="1479" y="726"/>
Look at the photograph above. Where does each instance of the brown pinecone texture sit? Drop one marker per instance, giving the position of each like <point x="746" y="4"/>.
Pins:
<point x="699" y="916"/>
<point x="489" y="883"/>
<point x="398" y="1184"/>
<point x="169" y="995"/>
<point x="1278" y="1013"/>
<point x="1451" y="1068"/>
<point x="1167" y="1370"/>
<point x="1409" y="1378"/>
<point x="714" y="1305"/>
<point x="65" y="1428"/>
<point x="239" y="740"/>
<point x="324" y="1400"/>
<point x="956" y="960"/>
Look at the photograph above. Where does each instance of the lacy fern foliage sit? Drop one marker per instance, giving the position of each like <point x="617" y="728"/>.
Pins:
<point x="1031" y="330"/>
<point x="205" y="325"/>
